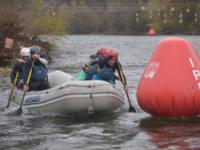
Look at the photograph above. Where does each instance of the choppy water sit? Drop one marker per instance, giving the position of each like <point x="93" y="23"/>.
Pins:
<point x="137" y="131"/>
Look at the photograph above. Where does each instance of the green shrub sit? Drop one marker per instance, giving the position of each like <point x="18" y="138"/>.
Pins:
<point x="48" y="24"/>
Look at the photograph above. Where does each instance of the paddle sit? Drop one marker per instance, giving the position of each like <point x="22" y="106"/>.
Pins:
<point x="131" y="108"/>
<point x="11" y="92"/>
<point x="13" y="87"/>
<point x="19" y="110"/>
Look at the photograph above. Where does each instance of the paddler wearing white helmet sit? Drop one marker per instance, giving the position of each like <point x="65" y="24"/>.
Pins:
<point x="18" y="72"/>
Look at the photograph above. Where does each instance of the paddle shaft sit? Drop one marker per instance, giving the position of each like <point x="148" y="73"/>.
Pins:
<point x="11" y="92"/>
<point x="19" y="110"/>
<point x="13" y="87"/>
<point x="131" y="108"/>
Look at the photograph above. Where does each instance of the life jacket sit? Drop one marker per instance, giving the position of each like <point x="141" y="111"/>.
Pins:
<point x="91" y="70"/>
<point x="106" y="73"/>
<point x="39" y="73"/>
<point x="21" y="78"/>
<point x="17" y="67"/>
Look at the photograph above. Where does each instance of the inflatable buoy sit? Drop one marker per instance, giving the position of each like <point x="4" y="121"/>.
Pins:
<point x="151" y="32"/>
<point x="170" y="84"/>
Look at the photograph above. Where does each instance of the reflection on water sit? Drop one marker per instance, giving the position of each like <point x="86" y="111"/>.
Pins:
<point x="172" y="133"/>
<point x="115" y="131"/>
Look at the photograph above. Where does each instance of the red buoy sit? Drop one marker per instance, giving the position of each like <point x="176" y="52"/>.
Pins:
<point x="170" y="84"/>
<point x="151" y="32"/>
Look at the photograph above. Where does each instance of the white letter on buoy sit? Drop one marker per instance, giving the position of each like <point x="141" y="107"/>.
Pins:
<point x="191" y="62"/>
<point x="196" y="74"/>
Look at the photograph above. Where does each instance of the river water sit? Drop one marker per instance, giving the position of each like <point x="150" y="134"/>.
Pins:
<point x="137" y="131"/>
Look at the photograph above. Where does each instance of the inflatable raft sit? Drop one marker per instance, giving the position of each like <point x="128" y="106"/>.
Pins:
<point x="67" y="96"/>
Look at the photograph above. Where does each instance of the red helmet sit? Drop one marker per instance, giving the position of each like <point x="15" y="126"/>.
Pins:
<point x="113" y="53"/>
<point x="102" y="51"/>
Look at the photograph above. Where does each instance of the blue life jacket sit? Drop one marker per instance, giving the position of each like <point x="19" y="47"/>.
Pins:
<point x="17" y="67"/>
<point x="91" y="70"/>
<point x="106" y="74"/>
<point x="39" y="73"/>
<point x="21" y="78"/>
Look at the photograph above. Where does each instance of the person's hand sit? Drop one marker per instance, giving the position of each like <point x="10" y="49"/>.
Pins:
<point x="26" y="88"/>
<point x="12" y="86"/>
<point x="35" y="56"/>
<point x="126" y="88"/>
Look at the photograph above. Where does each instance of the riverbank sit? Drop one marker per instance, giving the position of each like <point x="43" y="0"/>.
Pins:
<point x="5" y="71"/>
<point x="8" y="56"/>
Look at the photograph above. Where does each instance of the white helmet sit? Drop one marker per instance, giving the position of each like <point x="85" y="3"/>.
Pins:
<point x="25" y="52"/>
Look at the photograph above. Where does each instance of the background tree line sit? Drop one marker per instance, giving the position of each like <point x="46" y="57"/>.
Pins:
<point x="24" y="20"/>
<point x="35" y="17"/>
<point x="131" y="16"/>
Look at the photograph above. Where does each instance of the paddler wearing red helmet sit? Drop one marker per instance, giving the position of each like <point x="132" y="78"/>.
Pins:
<point x="110" y="65"/>
<point x="96" y="61"/>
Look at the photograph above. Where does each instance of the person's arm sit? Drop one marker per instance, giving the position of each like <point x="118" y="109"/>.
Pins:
<point x="27" y="67"/>
<point x="44" y="59"/>
<point x="122" y="77"/>
<point x="120" y="72"/>
<point x="13" y="73"/>
<point x="16" y="68"/>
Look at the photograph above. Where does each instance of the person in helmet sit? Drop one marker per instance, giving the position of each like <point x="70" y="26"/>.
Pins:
<point x="93" y="65"/>
<point x="106" y="72"/>
<point x="37" y="54"/>
<point x="110" y="65"/>
<point x="19" y="67"/>
<point x="102" y="54"/>
<point x="39" y="77"/>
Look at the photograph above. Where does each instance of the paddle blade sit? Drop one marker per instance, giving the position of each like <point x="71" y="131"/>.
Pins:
<point x="131" y="109"/>
<point x="8" y="105"/>
<point x="2" y="109"/>
<point x="19" y="111"/>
